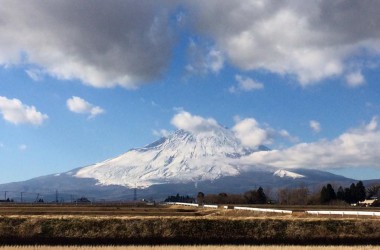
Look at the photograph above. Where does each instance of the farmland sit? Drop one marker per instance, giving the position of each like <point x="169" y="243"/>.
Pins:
<point x="105" y="224"/>
<point x="198" y="247"/>
<point x="109" y="210"/>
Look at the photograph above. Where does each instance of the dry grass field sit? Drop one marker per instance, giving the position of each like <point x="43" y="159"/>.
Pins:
<point x="99" y="210"/>
<point x="190" y="248"/>
<point x="132" y="210"/>
<point x="56" y="224"/>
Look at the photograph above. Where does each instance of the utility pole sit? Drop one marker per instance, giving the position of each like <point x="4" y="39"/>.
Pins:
<point x="5" y="195"/>
<point x="56" y="196"/>
<point x="21" y="196"/>
<point x="37" y="198"/>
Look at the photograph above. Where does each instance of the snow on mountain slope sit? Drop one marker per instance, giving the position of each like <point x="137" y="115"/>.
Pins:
<point x="181" y="157"/>
<point x="285" y="173"/>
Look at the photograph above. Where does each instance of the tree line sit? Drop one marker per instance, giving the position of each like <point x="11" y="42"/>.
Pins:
<point x="250" y="197"/>
<point x="352" y="194"/>
<point x="287" y="196"/>
<point x="328" y="195"/>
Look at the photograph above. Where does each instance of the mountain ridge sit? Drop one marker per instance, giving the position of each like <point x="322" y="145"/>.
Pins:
<point x="183" y="162"/>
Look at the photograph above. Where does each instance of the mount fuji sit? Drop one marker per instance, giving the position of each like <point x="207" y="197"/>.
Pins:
<point x="183" y="162"/>
<point x="181" y="157"/>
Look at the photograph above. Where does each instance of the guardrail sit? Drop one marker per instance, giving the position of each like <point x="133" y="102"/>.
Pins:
<point x="264" y="210"/>
<point x="342" y="213"/>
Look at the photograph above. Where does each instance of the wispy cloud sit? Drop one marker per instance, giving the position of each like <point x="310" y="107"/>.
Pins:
<point x="355" y="79"/>
<point x="315" y="126"/>
<point x="161" y="133"/>
<point x="245" y="84"/>
<point x="203" y="60"/>
<point x="78" y="105"/>
<point x="35" y="74"/>
<point x="14" y="111"/>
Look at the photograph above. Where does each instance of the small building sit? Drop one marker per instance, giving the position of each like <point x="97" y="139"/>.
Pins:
<point x="367" y="203"/>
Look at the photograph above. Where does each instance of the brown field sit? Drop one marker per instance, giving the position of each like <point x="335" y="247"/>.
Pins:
<point x="128" y="210"/>
<point x="100" y="210"/>
<point x="190" y="248"/>
<point x="121" y="224"/>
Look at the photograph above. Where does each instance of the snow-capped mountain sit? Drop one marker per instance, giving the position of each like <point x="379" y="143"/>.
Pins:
<point x="285" y="173"/>
<point x="179" y="158"/>
<point x="183" y="162"/>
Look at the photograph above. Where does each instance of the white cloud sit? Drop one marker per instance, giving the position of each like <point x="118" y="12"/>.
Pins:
<point x="355" y="79"/>
<point x="245" y="84"/>
<point x="215" y="60"/>
<point x="161" y="133"/>
<point x="80" y="106"/>
<point x="22" y="147"/>
<point x="124" y="43"/>
<point x="204" y="60"/>
<point x="311" y="40"/>
<point x="355" y="148"/>
<point x="315" y="126"/>
<point x="14" y="111"/>
<point x="249" y="132"/>
<point x="196" y="124"/>
<point x="282" y="134"/>
<point x="35" y="74"/>
<point x="128" y="43"/>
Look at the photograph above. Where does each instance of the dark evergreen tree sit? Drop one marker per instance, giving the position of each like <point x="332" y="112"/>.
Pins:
<point x="261" y="197"/>
<point x="331" y="192"/>
<point x="360" y="192"/>
<point x="348" y="196"/>
<point x="340" y="193"/>
<point x="353" y="192"/>
<point x="324" y="197"/>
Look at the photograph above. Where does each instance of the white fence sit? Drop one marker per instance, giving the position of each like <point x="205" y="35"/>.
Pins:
<point x="210" y="206"/>
<point x="342" y="213"/>
<point x="191" y="204"/>
<point x="264" y="210"/>
<point x="183" y="204"/>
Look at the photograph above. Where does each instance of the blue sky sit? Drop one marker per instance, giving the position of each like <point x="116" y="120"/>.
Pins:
<point x="81" y="82"/>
